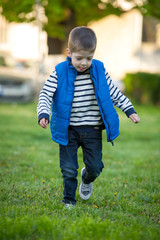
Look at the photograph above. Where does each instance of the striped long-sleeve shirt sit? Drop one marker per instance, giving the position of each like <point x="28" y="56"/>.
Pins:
<point x="85" y="110"/>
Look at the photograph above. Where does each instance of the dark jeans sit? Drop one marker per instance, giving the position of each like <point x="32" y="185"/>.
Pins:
<point x="90" y="139"/>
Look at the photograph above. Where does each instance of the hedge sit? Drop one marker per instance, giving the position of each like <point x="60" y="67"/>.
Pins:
<point x="143" y="87"/>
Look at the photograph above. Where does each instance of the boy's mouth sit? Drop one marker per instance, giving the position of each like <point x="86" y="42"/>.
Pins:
<point x="82" y="69"/>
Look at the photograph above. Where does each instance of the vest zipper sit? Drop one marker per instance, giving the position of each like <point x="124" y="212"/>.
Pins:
<point x="101" y="111"/>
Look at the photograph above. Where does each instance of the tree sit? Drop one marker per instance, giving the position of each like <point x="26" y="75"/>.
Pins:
<point x="60" y="16"/>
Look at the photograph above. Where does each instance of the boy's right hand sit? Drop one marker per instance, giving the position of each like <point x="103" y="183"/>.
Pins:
<point x="43" y="122"/>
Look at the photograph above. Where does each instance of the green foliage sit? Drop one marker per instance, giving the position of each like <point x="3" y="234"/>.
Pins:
<point x="16" y="11"/>
<point x="143" y="87"/>
<point x="151" y="7"/>
<point x="125" y="199"/>
<point x="63" y="15"/>
<point x="2" y="61"/>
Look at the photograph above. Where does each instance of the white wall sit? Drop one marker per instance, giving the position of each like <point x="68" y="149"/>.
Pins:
<point x="118" y="39"/>
<point x="23" y="41"/>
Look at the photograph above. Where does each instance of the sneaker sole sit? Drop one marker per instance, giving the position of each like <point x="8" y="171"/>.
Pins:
<point x="82" y="196"/>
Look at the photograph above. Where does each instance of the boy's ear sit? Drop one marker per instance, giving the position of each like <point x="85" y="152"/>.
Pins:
<point x="68" y="52"/>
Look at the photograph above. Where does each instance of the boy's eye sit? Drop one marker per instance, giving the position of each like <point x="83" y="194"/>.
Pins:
<point x="79" y="58"/>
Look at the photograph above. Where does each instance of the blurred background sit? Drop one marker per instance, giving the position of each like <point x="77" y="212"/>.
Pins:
<point x="34" y="33"/>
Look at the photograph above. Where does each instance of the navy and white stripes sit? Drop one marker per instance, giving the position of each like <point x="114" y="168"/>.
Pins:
<point x="118" y="99"/>
<point x="85" y="110"/>
<point x="46" y="95"/>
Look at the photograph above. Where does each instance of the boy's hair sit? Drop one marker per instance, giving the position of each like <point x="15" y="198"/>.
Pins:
<point x="82" y="38"/>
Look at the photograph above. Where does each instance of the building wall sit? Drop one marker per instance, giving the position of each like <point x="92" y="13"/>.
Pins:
<point x="120" y="45"/>
<point x="3" y="33"/>
<point x="118" y="39"/>
<point x="23" y="41"/>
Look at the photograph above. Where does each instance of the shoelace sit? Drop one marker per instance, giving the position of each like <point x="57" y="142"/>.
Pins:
<point x="86" y="187"/>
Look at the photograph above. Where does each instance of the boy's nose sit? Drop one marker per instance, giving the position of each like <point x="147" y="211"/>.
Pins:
<point x="84" y="62"/>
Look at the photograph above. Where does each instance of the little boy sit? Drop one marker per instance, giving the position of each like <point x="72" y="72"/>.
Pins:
<point x="82" y="95"/>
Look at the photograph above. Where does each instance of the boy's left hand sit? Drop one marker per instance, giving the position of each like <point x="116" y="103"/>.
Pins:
<point x="134" y="117"/>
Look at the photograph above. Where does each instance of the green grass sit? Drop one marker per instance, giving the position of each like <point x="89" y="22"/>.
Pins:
<point x="125" y="203"/>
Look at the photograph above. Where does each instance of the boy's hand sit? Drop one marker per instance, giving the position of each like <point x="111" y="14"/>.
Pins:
<point x="134" y="117"/>
<point x="43" y="122"/>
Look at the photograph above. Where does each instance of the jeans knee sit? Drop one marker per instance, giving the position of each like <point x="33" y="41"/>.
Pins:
<point x="69" y="173"/>
<point x="95" y="170"/>
<point x="94" y="173"/>
<point x="91" y="174"/>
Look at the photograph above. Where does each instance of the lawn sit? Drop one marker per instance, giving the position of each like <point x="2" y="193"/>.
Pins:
<point x="125" y="203"/>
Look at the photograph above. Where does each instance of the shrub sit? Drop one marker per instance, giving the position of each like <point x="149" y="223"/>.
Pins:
<point x="143" y="87"/>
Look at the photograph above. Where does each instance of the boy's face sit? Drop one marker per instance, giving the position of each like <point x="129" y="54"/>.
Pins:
<point x="81" y="60"/>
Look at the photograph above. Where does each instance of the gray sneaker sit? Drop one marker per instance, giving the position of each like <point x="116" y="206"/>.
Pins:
<point x="85" y="190"/>
<point x="68" y="205"/>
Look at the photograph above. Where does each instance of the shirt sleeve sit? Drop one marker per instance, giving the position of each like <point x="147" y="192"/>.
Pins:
<point x="46" y="97"/>
<point x="119" y="100"/>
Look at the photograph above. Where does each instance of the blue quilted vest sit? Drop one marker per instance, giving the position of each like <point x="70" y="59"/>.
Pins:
<point x="62" y="101"/>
